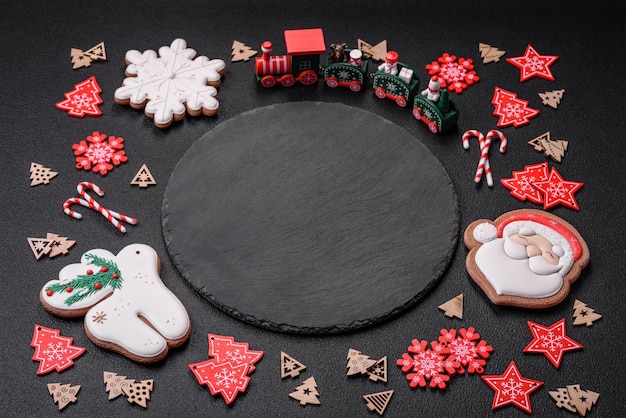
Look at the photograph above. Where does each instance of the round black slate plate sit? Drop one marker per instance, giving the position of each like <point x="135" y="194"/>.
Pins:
<point x="310" y="217"/>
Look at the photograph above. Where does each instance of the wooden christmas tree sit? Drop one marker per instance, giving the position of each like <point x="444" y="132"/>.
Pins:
<point x="584" y="314"/>
<point x="453" y="307"/>
<point x="97" y="52"/>
<point x="552" y="98"/>
<point x="306" y="393"/>
<point x="79" y="58"/>
<point x="63" y="395"/>
<point x="143" y="178"/>
<point x="60" y="245"/>
<point x="241" y="52"/>
<point x="139" y="393"/>
<point x="489" y="53"/>
<point x="358" y="362"/>
<point x="290" y="367"/>
<point x="378" y="372"/>
<point x="40" y="246"/>
<point x="561" y="397"/>
<point x="115" y="384"/>
<point x="582" y="400"/>
<point x="40" y="174"/>
<point x="378" y="402"/>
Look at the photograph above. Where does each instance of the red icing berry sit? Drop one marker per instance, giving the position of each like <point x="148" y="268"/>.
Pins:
<point x="69" y="290"/>
<point x="104" y="269"/>
<point x="49" y="292"/>
<point x="97" y="286"/>
<point x="89" y="272"/>
<point x="115" y="276"/>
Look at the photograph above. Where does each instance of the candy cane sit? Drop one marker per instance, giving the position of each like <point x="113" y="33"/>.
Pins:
<point x="484" y="157"/>
<point x="481" y="143"/>
<point x="91" y="203"/>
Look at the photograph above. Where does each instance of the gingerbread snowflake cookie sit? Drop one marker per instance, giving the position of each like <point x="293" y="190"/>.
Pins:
<point x="526" y="258"/>
<point x="172" y="83"/>
<point x="126" y="306"/>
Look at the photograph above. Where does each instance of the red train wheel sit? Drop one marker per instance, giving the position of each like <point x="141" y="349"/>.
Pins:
<point x="401" y="101"/>
<point x="268" y="81"/>
<point x="287" y="80"/>
<point x="433" y="127"/>
<point x="308" y="77"/>
<point x="380" y="92"/>
<point x="417" y="113"/>
<point x="355" y="86"/>
<point x="332" y="82"/>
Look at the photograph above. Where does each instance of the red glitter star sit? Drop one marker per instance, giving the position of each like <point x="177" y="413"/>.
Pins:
<point x="532" y="64"/>
<point x="551" y="341"/>
<point x="558" y="191"/>
<point x="512" y="388"/>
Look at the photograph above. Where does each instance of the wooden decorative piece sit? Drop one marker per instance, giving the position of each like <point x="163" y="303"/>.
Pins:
<point x="358" y="362"/>
<point x="584" y="315"/>
<point x="378" y="371"/>
<point x="453" y="307"/>
<point x="378" y="402"/>
<point x="40" y="246"/>
<point x="82" y="58"/>
<point x="97" y="52"/>
<point x="376" y="52"/>
<point x="139" y="393"/>
<point x="574" y="399"/>
<point x="40" y="174"/>
<point x="552" y="98"/>
<point x="489" y="53"/>
<point x="306" y="393"/>
<point x="553" y="149"/>
<point x="290" y="367"/>
<point x="143" y="178"/>
<point x="115" y="384"/>
<point x="241" y="52"/>
<point x="60" y="245"/>
<point x="63" y="394"/>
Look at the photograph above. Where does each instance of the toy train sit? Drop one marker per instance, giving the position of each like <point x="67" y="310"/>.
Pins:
<point x="348" y="68"/>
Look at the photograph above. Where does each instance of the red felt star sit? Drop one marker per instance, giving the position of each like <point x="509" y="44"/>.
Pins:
<point x="558" y="191"/>
<point x="227" y="349"/>
<point x="522" y="183"/>
<point x="222" y="378"/>
<point x="551" y="341"/>
<point x="510" y="109"/>
<point x="83" y="100"/>
<point x="531" y="64"/>
<point x="54" y="351"/>
<point x="512" y="388"/>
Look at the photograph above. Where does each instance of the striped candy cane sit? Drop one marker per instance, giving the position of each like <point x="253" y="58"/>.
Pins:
<point x="484" y="157"/>
<point x="481" y="143"/>
<point x="91" y="203"/>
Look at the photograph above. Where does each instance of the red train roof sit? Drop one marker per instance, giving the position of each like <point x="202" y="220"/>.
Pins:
<point x="305" y="41"/>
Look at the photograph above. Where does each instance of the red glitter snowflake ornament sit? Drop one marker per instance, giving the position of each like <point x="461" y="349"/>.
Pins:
<point x="455" y="74"/>
<point x="99" y="154"/>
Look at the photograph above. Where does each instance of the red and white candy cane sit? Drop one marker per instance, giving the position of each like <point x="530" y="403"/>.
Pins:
<point x="473" y="133"/>
<point x="483" y="164"/>
<point x="91" y="203"/>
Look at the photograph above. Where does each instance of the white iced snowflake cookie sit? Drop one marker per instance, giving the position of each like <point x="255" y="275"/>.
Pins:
<point x="171" y="83"/>
<point x="526" y="258"/>
<point x="127" y="307"/>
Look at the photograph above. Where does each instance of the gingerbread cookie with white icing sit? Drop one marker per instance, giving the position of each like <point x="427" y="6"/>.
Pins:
<point x="126" y="306"/>
<point x="526" y="258"/>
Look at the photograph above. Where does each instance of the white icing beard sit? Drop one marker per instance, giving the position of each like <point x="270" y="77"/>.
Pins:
<point x="516" y="277"/>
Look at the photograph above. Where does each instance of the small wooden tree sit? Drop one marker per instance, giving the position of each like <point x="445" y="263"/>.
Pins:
<point x="584" y="314"/>
<point x="290" y="367"/>
<point x="306" y="393"/>
<point x="63" y="395"/>
<point x="358" y="362"/>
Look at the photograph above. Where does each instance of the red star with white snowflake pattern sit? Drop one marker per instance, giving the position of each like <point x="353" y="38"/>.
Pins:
<point x="52" y="350"/>
<point x="512" y="388"/>
<point x="222" y="378"/>
<point x="557" y="191"/>
<point x="522" y="183"/>
<point x="551" y="341"/>
<point x="510" y="109"/>
<point x="531" y="64"/>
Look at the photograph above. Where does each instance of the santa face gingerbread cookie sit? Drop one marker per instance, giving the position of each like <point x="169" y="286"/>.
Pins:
<point x="126" y="306"/>
<point x="526" y="258"/>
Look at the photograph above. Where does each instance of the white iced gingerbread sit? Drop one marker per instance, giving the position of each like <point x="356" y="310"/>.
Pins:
<point x="171" y="83"/>
<point x="127" y="307"/>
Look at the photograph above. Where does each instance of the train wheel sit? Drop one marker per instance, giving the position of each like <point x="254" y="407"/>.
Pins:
<point x="433" y="127"/>
<point x="268" y="81"/>
<point x="308" y="77"/>
<point x="355" y="86"/>
<point x="401" y="101"/>
<point x="287" y="80"/>
<point x="380" y="92"/>
<point x="332" y="82"/>
<point x="417" y="113"/>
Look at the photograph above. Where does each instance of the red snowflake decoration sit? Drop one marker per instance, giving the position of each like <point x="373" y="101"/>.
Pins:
<point x="551" y="341"/>
<point x="512" y="388"/>
<point x="52" y="350"/>
<point x="455" y="74"/>
<point x="83" y="100"/>
<point x="531" y="64"/>
<point x="99" y="154"/>
<point x="466" y="349"/>
<point x="510" y="109"/>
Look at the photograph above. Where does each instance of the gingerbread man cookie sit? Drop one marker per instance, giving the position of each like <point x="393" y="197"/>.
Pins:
<point x="126" y="306"/>
<point x="527" y="258"/>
